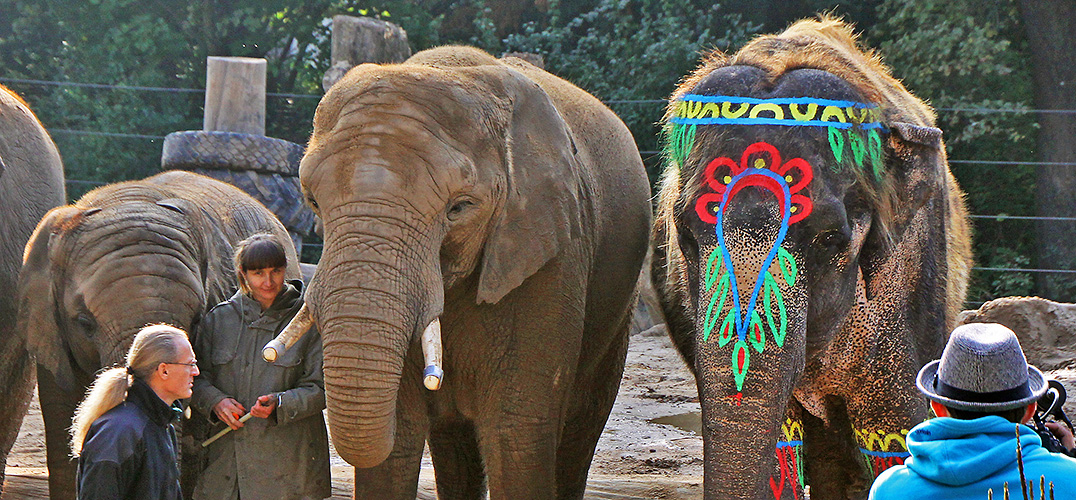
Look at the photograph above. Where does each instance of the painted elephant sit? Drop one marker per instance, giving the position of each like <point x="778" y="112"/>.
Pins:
<point x="504" y="206"/>
<point x="812" y="251"/>
<point x="31" y="182"/>
<point x="158" y="250"/>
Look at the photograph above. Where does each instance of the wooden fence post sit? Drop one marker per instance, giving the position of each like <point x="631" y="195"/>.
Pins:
<point x="232" y="147"/>
<point x="235" y="95"/>
<point x="358" y="40"/>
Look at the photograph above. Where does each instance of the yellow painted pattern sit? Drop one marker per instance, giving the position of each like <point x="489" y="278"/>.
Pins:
<point x="881" y="449"/>
<point x="728" y="110"/>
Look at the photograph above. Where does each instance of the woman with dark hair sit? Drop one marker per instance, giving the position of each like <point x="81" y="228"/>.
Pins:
<point x="122" y="432"/>
<point x="283" y="453"/>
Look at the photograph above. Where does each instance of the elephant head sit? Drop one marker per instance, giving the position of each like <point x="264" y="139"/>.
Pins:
<point x="435" y="185"/>
<point x="96" y="272"/>
<point x="803" y="259"/>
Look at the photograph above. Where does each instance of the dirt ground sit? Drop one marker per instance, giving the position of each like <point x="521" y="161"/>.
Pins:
<point x="650" y="448"/>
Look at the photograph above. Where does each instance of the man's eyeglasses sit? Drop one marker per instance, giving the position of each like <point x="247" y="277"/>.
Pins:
<point x="191" y="364"/>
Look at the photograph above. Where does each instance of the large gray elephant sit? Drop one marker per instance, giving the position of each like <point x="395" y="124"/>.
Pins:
<point x="31" y="182"/>
<point x="811" y="251"/>
<point x="158" y="250"/>
<point x="504" y="206"/>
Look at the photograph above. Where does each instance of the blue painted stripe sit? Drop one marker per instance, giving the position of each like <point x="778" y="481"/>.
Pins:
<point x="782" y="100"/>
<point x="770" y="121"/>
<point x="789" y="444"/>
<point x="884" y="454"/>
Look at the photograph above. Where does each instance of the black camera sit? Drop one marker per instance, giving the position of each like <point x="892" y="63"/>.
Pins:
<point x="1050" y="406"/>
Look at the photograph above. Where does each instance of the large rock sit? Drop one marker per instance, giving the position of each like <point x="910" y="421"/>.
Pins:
<point x="1047" y="329"/>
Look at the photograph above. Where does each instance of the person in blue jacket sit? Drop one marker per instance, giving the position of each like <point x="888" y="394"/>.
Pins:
<point x="122" y="431"/>
<point x="982" y="391"/>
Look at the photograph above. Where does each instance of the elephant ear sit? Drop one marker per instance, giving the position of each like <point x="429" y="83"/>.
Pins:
<point x="541" y="210"/>
<point x="37" y="320"/>
<point x="919" y="166"/>
<point x="917" y="163"/>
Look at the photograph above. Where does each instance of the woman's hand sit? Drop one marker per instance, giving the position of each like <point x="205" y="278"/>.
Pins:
<point x="228" y="410"/>
<point x="265" y="405"/>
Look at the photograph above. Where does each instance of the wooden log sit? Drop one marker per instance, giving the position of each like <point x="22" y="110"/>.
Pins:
<point x="235" y="95"/>
<point x="358" y="40"/>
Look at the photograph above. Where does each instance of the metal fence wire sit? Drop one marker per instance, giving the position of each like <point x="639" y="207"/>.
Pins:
<point x="650" y="154"/>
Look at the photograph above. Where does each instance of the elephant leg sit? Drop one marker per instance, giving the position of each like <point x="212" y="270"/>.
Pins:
<point x="192" y="460"/>
<point x="585" y="421"/>
<point x="520" y="455"/>
<point x="57" y="410"/>
<point x="461" y="475"/>
<point x="830" y="453"/>
<point x="880" y="425"/>
<point x="397" y="477"/>
<point x="16" y="390"/>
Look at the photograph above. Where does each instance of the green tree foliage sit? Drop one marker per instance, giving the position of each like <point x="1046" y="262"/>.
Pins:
<point x="627" y="50"/>
<point x="969" y="54"/>
<point x="955" y="54"/>
<point x="155" y="44"/>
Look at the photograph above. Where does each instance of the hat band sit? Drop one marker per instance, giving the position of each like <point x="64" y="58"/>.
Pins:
<point x="1015" y="394"/>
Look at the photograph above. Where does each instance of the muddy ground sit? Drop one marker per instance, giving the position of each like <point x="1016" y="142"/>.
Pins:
<point x="651" y="446"/>
<point x="638" y="456"/>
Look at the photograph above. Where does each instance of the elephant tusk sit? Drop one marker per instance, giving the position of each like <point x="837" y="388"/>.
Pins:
<point x="431" y="352"/>
<point x="295" y="330"/>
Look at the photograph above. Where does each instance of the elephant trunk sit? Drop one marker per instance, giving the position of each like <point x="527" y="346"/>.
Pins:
<point x="362" y="379"/>
<point x="752" y="441"/>
<point x="370" y="309"/>
<point x="750" y="353"/>
<point x="752" y="433"/>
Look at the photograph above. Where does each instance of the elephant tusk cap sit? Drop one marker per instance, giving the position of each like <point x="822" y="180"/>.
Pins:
<point x="295" y="330"/>
<point x="431" y="353"/>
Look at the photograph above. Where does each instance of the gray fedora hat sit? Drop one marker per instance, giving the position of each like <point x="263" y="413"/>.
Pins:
<point x="982" y="369"/>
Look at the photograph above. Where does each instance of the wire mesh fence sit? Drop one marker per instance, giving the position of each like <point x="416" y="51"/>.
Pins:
<point x="288" y="116"/>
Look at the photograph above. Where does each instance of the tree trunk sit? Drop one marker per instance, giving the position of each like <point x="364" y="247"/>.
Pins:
<point x="1050" y="25"/>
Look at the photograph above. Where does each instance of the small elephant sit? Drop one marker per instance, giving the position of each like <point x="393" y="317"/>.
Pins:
<point x="505" y="207"/>
<point x="31" y="182"/>
<point x="811" y="252"/>
<point x="158" y="250"/>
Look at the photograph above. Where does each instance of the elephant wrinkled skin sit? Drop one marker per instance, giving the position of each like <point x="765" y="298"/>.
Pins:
<point x="31" y="183"/>
<point x="512" y="207"/>
<point x="811" y="253"/>
<point x="158" y="250"/>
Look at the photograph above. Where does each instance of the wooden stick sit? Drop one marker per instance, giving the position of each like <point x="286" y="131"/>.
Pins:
<point x="1020" y="463"/>
<point x="224" y="431"/>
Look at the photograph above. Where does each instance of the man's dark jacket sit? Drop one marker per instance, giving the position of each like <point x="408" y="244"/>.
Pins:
<point x="130" y="451"/>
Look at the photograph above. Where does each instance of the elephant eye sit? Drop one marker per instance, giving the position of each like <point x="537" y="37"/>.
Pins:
<point x="689" y="246"/>
<point x="457" y="208"/>
<point x="312" y="202"/>
<point x="832" y="239"/>
<point x="86" y="322"/>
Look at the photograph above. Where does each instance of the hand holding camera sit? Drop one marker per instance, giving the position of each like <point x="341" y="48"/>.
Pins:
<point x="1051" y="423"/>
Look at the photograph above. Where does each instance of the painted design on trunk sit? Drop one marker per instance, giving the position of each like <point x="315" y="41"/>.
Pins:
<point x="790" y="460"/>
<point x="695" y="109"/>
<point x="881" y="449"/>
<point x="760" y="166"/>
